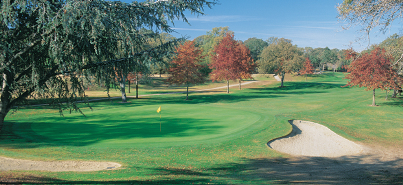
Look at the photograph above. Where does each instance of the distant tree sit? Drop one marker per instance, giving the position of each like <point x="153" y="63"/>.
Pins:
<point x="161" y="66"/>
<point x="208" y="42"/>
<point x="316" y="57"/>
<point x="186" y="66"/>
<point x="274" y="40"/>
<point x="139" y="72"/>
<point x="328" y="57"/>
<point x="212" y="38"/>
<point x="255" y="46"/>
<point x="280" y="57"/>
<point x="230" y="61"/>
<point x="373" y="71"/>
<point x="307" y="69"/>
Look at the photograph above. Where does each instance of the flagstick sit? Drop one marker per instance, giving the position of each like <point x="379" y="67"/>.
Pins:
<point x="160" y="121"/>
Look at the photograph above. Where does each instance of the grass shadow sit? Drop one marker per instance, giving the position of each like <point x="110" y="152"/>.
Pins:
<point x="301" y="170"/>
<point x="21" y="135"/>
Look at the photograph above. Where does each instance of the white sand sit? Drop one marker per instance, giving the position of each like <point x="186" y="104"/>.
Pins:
<point x="315" y="140"/>
<point x="7" y="164"/>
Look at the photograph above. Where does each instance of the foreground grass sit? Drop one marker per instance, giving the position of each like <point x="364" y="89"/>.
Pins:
<point x="209" y="139"/>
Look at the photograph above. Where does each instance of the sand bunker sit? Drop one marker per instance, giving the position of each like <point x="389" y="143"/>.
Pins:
<point x="315" y="140"/>
<point x="7" y="164"/>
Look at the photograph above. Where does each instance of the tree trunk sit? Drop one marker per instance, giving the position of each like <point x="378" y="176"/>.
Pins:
<point x="122" y="89"/>
<point x="240" y="81"/>
<point x="129" y="86"/>
<point x="306" y="78"/>
<point x="373" y="98"/>
<point x="5" y="99"/>
<point x="282" y="79"/>
<point x="3" y="113"/>
<point x="394" y="93"/>
<point x="227" y="86"/>
<point x="386" y="98"/>
<point x="137" y="86"/>
<point x="187" y="91"/>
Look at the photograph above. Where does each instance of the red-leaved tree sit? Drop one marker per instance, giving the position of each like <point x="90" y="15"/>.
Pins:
<point x="245" y="64"/>
<point x="308" y="68"/>
<point x="231" y="61"/>
<point x="373" y="71"/>
<point x="186" y="66"/>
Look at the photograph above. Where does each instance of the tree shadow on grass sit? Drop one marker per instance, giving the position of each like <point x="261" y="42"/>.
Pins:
<point x="394" y="102"/>
<point x="196" y="98"/>
<point x="298" y="170"/>
<point x="303" y="170"/>
<point x="83" y="131"/>
<point x="299" y="88"/>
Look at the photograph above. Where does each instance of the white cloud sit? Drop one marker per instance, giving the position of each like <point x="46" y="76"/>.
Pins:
<point x="223" y="18"/>
<point x="190" y="29"/>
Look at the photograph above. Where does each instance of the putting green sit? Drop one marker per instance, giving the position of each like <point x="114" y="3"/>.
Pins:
<point x="134" y="126"/>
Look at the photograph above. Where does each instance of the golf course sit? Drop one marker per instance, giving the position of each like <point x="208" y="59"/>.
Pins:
<point x="214" y="137"/>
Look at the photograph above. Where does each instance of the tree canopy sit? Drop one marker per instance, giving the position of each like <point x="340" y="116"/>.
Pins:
<point x="373" y="71"/>
<point x="231" y="60"/>
<point x="255" y="46"/>
<point x="307" y="69"/>
<point x="280" y="57"/>
<point x="370" y="14"/>
<point x="48" y="47"/>
<point x="186" y="66"/>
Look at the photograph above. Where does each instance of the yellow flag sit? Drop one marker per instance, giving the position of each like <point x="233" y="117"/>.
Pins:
<point x="159" y="109"/>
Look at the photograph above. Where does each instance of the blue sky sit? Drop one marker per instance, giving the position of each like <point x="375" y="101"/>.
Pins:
<point x="308" y="23"/>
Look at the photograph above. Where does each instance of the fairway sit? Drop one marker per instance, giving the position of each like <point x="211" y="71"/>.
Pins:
<point x="135" y="126"/>
<point x="214" y="138"/>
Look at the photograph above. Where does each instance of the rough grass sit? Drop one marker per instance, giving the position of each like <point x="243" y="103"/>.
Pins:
<point x="209" y="139"/>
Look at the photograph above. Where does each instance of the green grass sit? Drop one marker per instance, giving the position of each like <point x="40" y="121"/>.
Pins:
<point x="208" y="139"/>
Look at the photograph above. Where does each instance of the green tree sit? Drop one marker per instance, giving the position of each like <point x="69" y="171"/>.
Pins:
<point x="208" y="42"/>
<point x="49" y="47"/>
<point x="255" y="46"/>
<point x="162" y="65"/>
<point x="280" y="57"/>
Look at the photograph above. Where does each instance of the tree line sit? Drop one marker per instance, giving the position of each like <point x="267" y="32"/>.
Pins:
<point x="49" y="48"/>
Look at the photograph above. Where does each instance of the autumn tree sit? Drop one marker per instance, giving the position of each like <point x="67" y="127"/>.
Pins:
<point x="208" y="42"/>
<point x="280" y="57"/>
<point x="47" y="48"/>
<point x="373" y="71"/>
<point x="307" y="69"/>
<point x="186" y="66"/>
<point x="230" y="61"/>
<point x="371" y="14"/>
<point x="245" y="65"/>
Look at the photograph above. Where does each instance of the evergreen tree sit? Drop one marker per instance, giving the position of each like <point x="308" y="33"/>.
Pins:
<point x="47" y="48"/>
